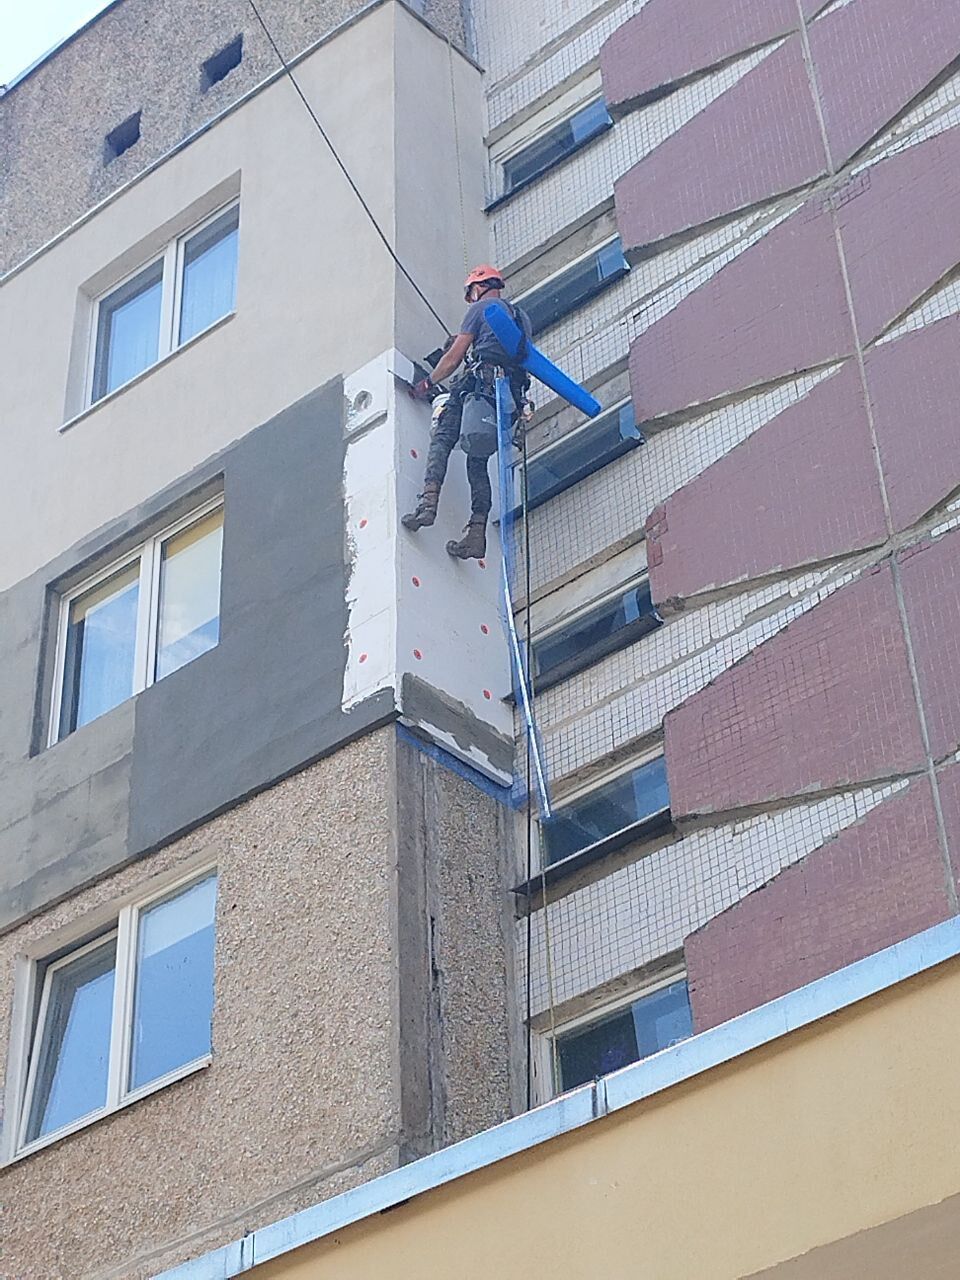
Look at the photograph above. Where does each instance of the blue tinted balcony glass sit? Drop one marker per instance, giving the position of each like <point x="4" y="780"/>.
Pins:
<point x="627" y="801"/>
<point x="616" y="623"/>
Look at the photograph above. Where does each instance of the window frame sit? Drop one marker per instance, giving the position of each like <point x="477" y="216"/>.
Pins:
<point x="123" y="923"/>
<point x="595" y="289"/>
<point x="552" y="871"/>
<point x="149" y="553"/>
<point x="548" y="1056"/>
<point x="506" y="192"/>
<point x="585" y="470"/>
<point x="630" y="633"/>
<point x="171" y="297"/>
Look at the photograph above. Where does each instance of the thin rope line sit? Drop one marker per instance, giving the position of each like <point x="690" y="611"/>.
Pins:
<point x="346" y="173"/>
<point x="528" y="637"/>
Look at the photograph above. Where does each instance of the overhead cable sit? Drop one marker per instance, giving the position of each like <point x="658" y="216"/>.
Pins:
<point x="346" y="173"/>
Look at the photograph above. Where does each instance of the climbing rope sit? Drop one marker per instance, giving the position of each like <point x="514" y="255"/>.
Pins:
<point x="525" y="692"/>
<point x="522" y="659"/>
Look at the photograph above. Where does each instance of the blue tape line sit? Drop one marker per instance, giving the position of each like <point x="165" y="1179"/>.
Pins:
<point x="501" y="793"/>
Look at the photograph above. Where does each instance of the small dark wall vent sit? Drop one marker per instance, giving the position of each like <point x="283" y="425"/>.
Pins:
<point x="121" y="138"/>
<point x="221" y="64"/>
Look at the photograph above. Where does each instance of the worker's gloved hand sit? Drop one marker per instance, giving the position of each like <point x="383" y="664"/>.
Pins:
<point x="422" y="390"/>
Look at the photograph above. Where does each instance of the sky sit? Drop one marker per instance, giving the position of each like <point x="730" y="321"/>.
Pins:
<point x="28" y="28"/>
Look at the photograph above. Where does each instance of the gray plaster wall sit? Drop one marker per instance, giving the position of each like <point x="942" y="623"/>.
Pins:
<point x="141" y="55"/>
<point x="261" y="704"/>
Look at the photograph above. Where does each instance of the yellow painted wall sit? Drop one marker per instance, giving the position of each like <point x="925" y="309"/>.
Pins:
<point x="831" y="1130"/>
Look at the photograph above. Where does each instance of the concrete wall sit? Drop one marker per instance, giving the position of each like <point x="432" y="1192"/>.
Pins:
<point x="359" y="1018"/>
<point x="144" y="56"/>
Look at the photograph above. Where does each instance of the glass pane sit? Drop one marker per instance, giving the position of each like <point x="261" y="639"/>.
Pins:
<point x="128" y="330"/>
<point x="615" y="623"/>
<point x="575" y="286"/>
<point x="209" y="282"/>
<point x="100" y="651"/>
<point x="189" y="620"/>
<point x="554" y="145"/>
<point x="652" y="1023"/>
<point x="597" y="1050"/>
<point x="173" y="992"/>
<point x="590" y="121"/>
<point x="74" y="1055"/>
<point x="581" y="454"/>
<point x="625" y="801"/>
<point x="663" y="1018"/>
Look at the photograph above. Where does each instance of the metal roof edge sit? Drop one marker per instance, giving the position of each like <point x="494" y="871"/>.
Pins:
<point x="701" y="1053"/>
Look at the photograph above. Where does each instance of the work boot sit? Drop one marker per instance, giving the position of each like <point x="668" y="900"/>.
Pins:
<point x="426" y="511"/>
<point x="474" y="545"/>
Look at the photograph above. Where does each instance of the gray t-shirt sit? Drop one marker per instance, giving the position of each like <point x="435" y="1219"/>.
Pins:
<point x="486" y="345"/>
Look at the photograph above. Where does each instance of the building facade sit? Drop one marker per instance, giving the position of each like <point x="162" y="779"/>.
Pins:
<point x="274" y="919"/>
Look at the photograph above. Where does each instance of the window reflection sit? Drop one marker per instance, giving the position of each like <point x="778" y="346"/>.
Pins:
<point x="652" y="1023"/>
<point x="189" y="617"/>
<point x="634" y="797"/>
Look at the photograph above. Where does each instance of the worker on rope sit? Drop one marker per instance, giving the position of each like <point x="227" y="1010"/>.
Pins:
<point x="467" y="412"/>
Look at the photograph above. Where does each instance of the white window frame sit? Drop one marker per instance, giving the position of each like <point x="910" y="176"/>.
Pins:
<point x="171" y="256"/>
<point x="123" y="924"/>
<point x="149" y="553"/>
<point x="546" y="1059"/>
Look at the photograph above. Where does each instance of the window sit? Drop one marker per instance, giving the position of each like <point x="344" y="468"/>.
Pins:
<point x="581" y="454"/>
<point x="221" y="64"/>
<point x="175" y="297"/>
<point x="659" y="1018"/>
<point x="121" y="138"/>
<point x="123" y="1014"/>
<point x="628" y="805"/>
<point x="574" y="286"/>
<point x="617" y="622"/>
<point x="555" y="145"/>
<point x="139" y="621"/>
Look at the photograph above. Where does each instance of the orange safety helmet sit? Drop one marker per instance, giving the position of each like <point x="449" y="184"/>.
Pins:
<point x="482" y="275"/>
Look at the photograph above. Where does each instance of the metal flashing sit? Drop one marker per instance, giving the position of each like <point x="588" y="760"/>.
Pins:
<point x="709" y="1049"/>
